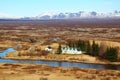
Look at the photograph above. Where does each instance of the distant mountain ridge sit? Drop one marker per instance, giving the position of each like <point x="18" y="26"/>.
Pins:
<point x="78" y="15"/>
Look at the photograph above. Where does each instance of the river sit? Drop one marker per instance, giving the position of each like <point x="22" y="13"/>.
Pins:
<point x="57" y="63"/>
<point x="63" y="64"/>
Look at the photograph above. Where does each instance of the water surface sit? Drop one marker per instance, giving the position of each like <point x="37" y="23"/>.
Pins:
<point x="4" y="52"/>
<point x="63" y="64"/>
<point x="57" y="63"/>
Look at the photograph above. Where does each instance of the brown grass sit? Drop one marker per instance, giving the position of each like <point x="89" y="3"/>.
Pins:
<point x="37" y="72"/>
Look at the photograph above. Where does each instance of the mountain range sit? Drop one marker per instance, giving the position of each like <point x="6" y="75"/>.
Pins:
<point x="78" y="15"/>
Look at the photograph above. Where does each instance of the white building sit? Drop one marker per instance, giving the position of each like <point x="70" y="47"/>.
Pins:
<point x="48" y="48"/>
<point x="68" y="50"/>
<point x="65" y="50"/>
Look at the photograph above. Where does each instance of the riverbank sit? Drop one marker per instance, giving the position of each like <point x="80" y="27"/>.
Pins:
<point x="44" y="72"/>
<point x="66" y="58"/>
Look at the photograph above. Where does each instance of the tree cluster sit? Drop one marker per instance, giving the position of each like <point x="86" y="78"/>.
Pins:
<point x="111" y="54"/>
<point x="94" y="49"/>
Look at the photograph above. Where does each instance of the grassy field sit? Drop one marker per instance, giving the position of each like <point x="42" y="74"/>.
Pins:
<point x="43" y="72"/>
<point x="32" y="37"/>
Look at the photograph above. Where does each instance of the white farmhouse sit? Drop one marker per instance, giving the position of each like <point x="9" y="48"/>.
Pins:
<point x="68" y="50"/>
<point x="48" y="48"/>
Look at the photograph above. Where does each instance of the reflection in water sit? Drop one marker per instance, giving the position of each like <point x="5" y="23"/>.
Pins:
<point x="63" y="64"/>
<point x="112" y="66"/>
<point x="25" y="61"/>
<point x="60" y="64"/>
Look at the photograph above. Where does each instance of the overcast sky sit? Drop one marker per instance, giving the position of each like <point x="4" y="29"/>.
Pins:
<point x="34" y="7"/>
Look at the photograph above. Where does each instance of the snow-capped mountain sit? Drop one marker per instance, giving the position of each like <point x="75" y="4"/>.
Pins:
<point x="78" y="15"/>
<point x="69" y="15"/>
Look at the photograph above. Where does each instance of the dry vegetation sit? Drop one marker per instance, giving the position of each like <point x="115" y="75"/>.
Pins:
<point x="31" y="37"/>
<point x="70" y="58"/>
<point x="43" y="72"/>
